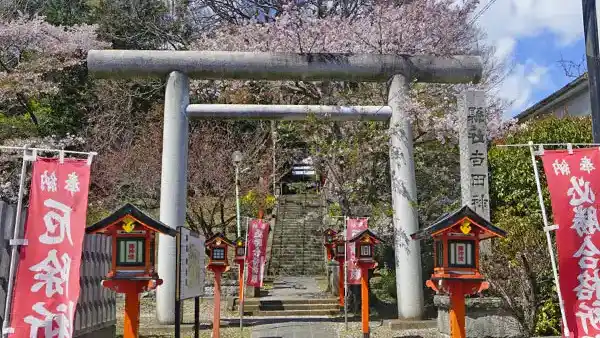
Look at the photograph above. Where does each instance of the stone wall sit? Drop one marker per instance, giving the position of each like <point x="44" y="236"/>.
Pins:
<point x="485" y="318"/>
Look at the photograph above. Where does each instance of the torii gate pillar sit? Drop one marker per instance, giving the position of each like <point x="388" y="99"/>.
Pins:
<point x="409" y="279"/>
<point x="178" y="65"/>
<point x="173" y="187"/>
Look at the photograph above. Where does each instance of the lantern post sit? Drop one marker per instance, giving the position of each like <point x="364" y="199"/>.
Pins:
<point x="217" y="247"/>
<point x="240" y="258"/>
<point x="456" y="273"/>
<point x="330" y="235"/>
<point x="133" y="268"/>
<point x="364" y="247"/>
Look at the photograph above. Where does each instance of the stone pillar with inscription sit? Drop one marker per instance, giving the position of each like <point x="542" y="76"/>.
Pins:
<point x="474" y="178"/>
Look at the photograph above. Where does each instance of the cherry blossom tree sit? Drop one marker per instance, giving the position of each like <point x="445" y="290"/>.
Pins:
<point x="31" y="48"/>
<point x="353" y="155"/>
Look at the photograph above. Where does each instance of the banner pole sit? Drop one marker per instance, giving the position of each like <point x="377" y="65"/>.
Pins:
<point x="346" y="271"/>
<point x="14" y="248"/>
<point x="548" y="238"/>
<point x="244" y="276"/>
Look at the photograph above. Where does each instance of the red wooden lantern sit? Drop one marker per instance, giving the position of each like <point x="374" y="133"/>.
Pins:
<point x="133" y="268"/>
<point x="218" y="246"/>
<point x="456" y="239"/>
<point x="329" y="242"/>
<point x="364" y="247"/>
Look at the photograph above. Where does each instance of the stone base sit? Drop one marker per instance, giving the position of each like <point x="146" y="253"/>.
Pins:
<point x="402" y="324"/>
<point x="485" y="318"/>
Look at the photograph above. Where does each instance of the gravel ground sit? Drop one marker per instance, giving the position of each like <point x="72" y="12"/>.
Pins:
<point x="149" y="327"/>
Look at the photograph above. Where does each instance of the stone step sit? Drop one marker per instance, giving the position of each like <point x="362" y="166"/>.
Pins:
<point x="289" y="301"/>
<point x="290" y="307"/>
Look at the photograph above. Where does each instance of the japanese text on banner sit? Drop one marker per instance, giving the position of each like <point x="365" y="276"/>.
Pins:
<point x="258" y="234"/>
<point x="48" y="268"/>
<point x="353" y="227"/>
<point x="573" y="182"/>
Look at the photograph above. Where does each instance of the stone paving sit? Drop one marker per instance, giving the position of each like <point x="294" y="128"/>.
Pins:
<point x="294" y="329"/>
<point x="293" y="288"/>
<point x="297" y="327"/>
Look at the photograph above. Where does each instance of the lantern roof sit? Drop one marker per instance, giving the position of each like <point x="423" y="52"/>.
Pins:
<point x="366" y="235"/>
<point x="329" y="231"/>
<point x="129" y="214"/>
<point x="218" y="237"/>
<point x="464" y="216"/>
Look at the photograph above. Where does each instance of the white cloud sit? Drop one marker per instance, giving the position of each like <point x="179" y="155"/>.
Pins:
<point x="505" y="22"/>
<point x="519" y="85"/>
<point x="527" y="18"/>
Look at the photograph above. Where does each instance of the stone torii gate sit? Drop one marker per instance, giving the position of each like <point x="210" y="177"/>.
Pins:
<point x="178" y="66"/>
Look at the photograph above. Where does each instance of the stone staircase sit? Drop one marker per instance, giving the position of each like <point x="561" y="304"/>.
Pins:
<point x="297" y="247"/>
<point x="291" y="307"/>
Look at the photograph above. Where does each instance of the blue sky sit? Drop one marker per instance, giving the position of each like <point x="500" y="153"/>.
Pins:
<point x="532" y="36"/>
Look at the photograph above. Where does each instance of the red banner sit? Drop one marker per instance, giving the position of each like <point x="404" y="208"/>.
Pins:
<point x="573" y="182"/>
<point x="258" y="235"/>
<point x="353" y="227"/>
<point x="46" y="286"/>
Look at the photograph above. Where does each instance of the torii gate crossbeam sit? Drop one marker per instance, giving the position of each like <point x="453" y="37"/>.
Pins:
<point x="178" y="65"/>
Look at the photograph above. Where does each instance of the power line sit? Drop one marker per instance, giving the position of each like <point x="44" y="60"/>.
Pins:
<point x="482" y="11"/>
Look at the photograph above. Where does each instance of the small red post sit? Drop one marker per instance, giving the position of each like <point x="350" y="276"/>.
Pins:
<point x="131" y="322"/>
<point x="217" y="305"/>
<point x="457" y="310"/>
<point x="341" y="283"/>
<point x="241" y="279"/>
<point x="364" y="297"/>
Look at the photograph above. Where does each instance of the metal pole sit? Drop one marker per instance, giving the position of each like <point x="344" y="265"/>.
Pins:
<point x="14" y="249"/>
<point x="548" y="239"/>
<point x="346" y="271"/>
<point x="409" y="284"/>
<point x="244" y="280"/>
<point x="173" y="195"/>
<point x="196" y="317"/>
<point x="590" y="31"/>
<point x="237" y="200"/>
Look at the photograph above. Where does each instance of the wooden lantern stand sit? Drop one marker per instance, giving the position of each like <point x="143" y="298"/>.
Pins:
<point x="456" y="273"/>
<point x="340" y="257"/>
<point x="217" y="247"/>
<point x="364" y="247"/>
<point x="457" y="289"/>
<point x="132" y="290"/>
<point x="240" y="258"/>
<point x="132" y="270"/>
<point x="218" y="271"/>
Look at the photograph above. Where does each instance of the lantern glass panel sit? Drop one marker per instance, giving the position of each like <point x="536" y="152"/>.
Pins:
<point x="461" y="253"/>
<point x="241" y="251"/>
<point x="341" y="250"/>
<point x="131" y="251"/>
<point x="439" y="252"/>
<point x="365" y="250"/>
<point x="218" y="253"/>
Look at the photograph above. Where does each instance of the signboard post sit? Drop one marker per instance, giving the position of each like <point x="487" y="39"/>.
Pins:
<point x="190" y="274"/>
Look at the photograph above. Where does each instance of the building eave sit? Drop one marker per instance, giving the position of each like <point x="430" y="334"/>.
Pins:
<point x="562" y="94"/>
